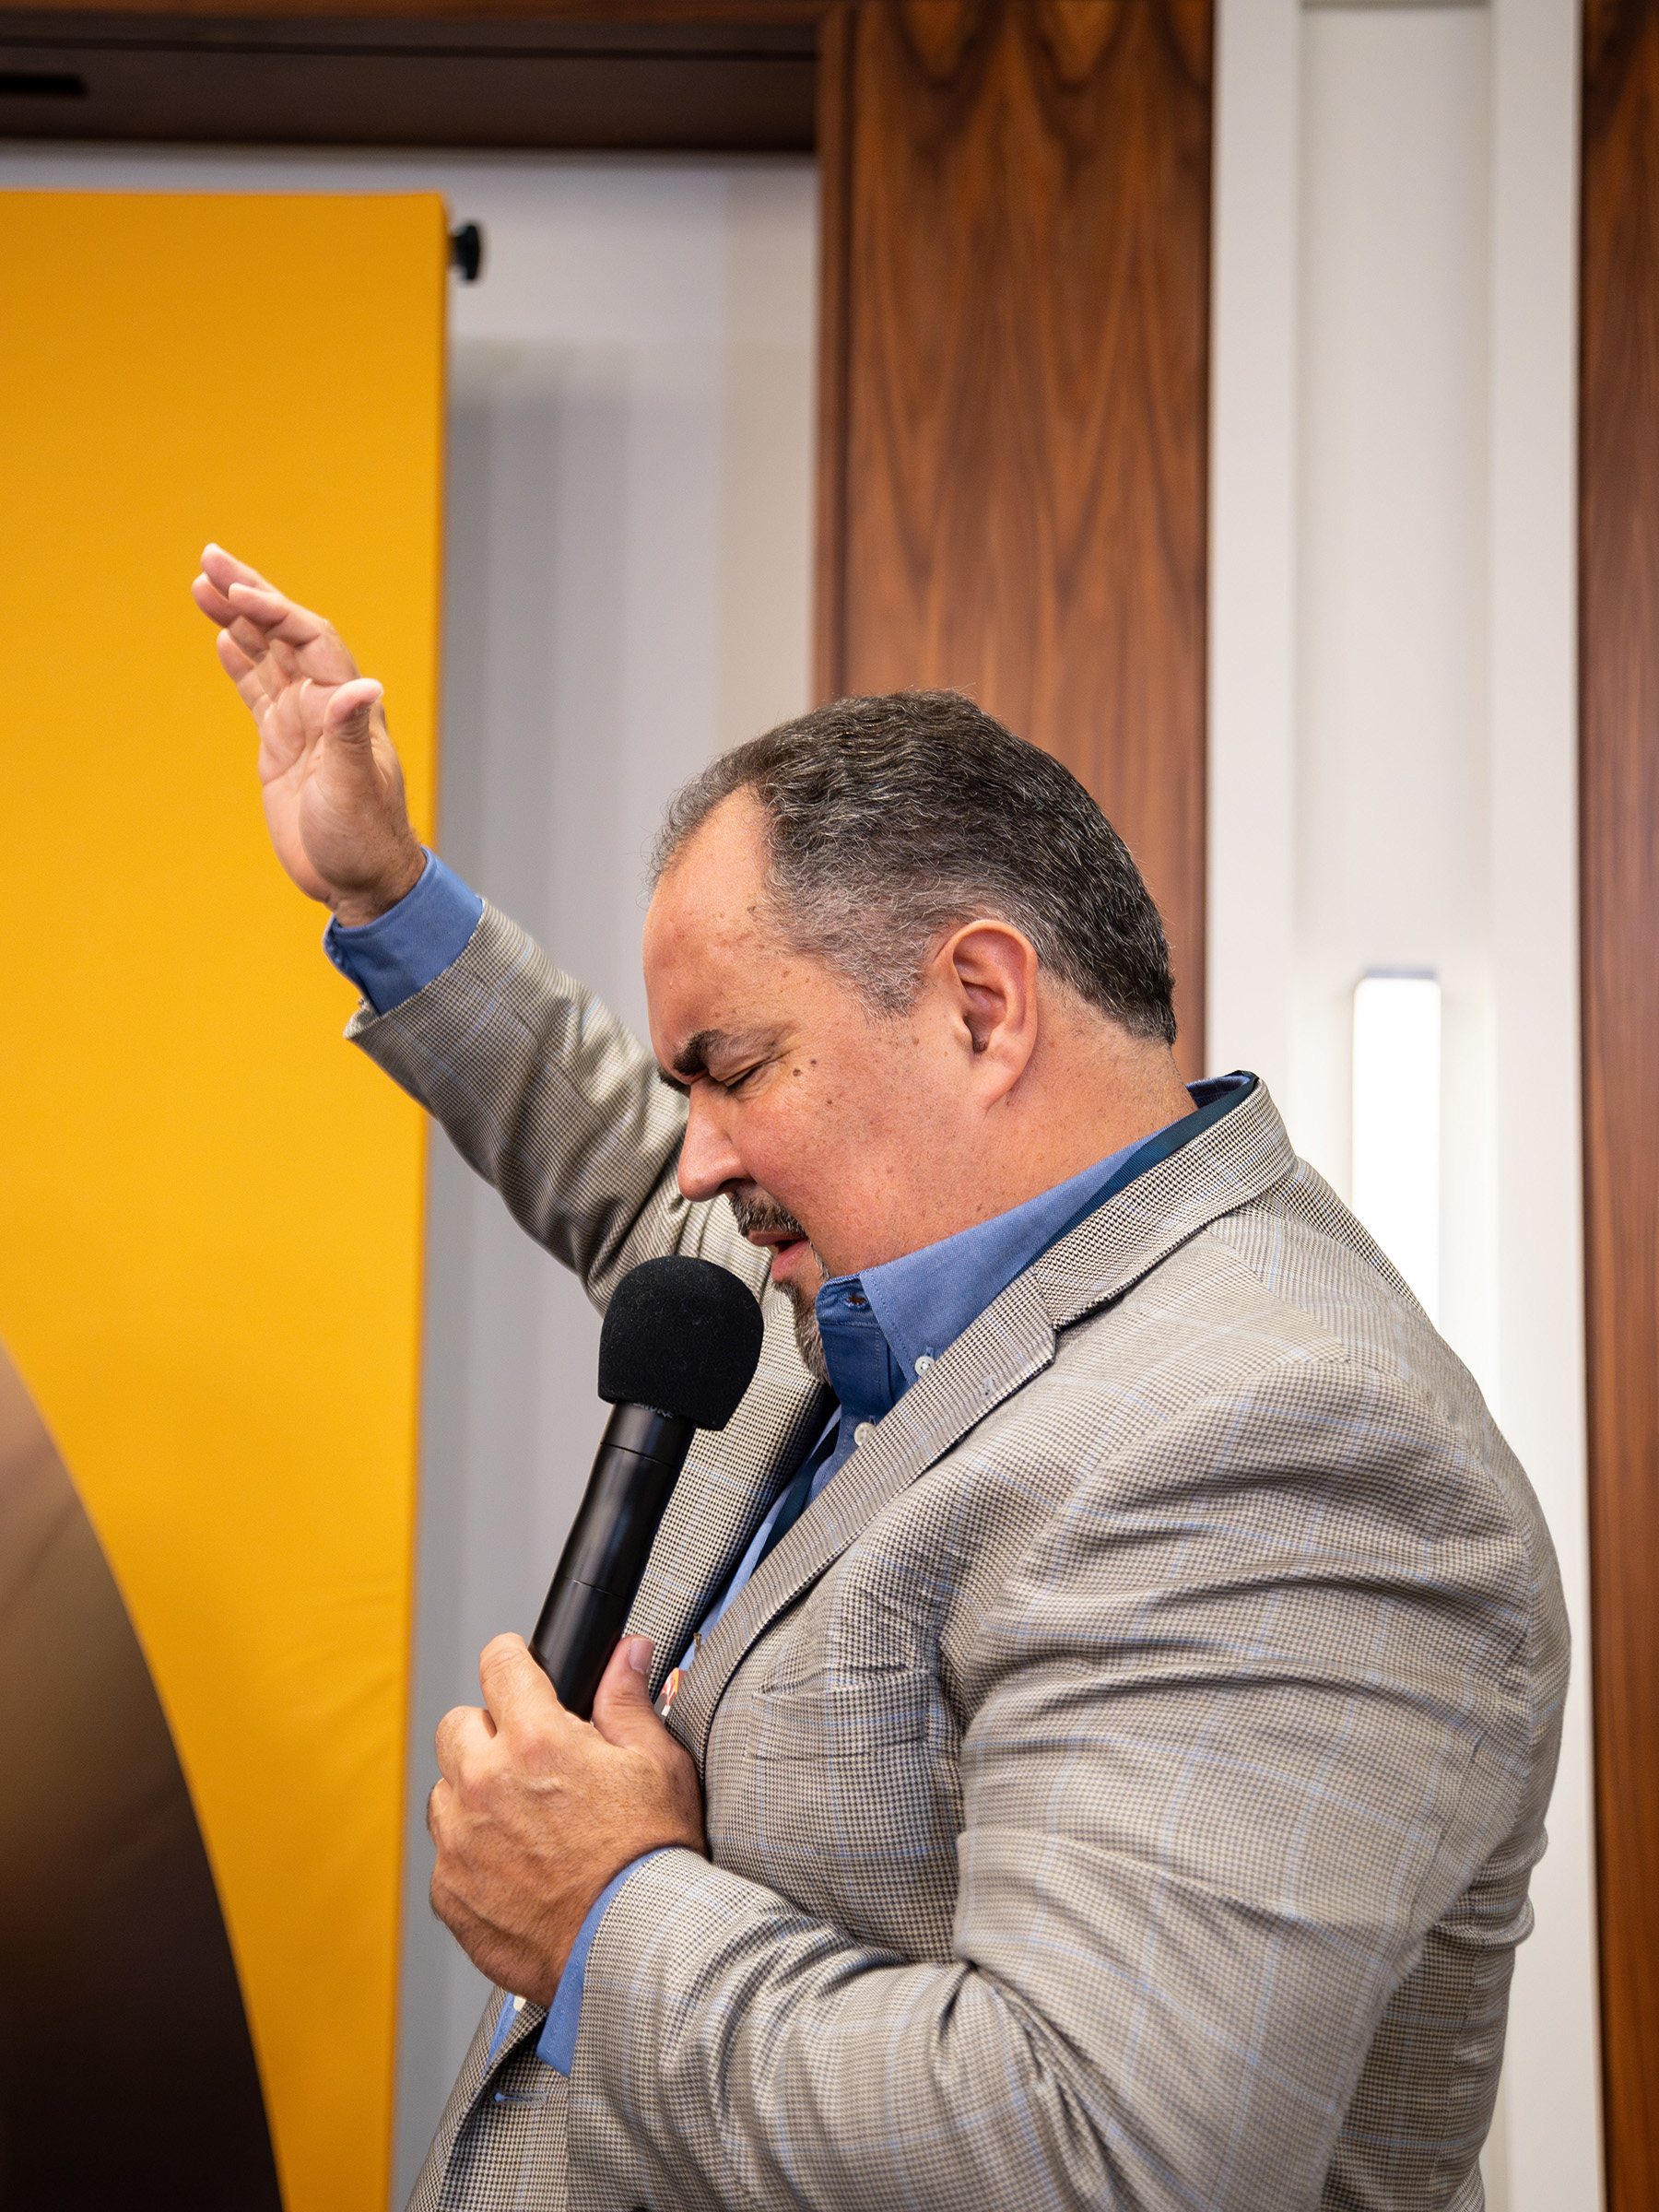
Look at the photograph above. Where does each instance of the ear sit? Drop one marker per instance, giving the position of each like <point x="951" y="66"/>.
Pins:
<point x="989" y="969"/>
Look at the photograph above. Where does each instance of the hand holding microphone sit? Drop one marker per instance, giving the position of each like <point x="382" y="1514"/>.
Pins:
<point x="537" y="1810"/>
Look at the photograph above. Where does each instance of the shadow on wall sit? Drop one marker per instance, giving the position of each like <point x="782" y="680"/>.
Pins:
<point x="532" y="704"/>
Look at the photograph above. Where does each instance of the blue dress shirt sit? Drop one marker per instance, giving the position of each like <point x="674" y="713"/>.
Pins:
<point x="413" y="943"/>
<point x="880" y="1329"/>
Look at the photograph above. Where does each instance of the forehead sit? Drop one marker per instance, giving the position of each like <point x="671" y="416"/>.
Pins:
<point x="706" y="943"/>
<point x="713" y="889"/>
<point x="716" y="967"/>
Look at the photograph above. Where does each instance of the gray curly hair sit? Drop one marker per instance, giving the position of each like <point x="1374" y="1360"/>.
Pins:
<point x="891" y="821"/>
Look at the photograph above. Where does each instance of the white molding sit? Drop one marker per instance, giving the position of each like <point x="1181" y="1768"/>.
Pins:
<point x="1546" y="2149"/>
<point x="1249" y="929"/>
<point x="1552" y="2103"/>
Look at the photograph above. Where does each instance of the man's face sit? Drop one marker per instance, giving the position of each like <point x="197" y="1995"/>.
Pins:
<point x="830" y="1129"/>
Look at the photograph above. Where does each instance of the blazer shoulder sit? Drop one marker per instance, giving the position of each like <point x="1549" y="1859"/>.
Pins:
<point x="1293" y="1346"/>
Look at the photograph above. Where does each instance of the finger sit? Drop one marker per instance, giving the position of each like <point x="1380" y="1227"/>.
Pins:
<point x="224" y="569"/>
<point x="516" y="1689"/>
<point x="212" y="602"/>
<point x="494" y="1956"/>
<point x="277" y="614"/>
<point x="462" y="1734"/>
<point x="623" y="1711"/>
<point x="234" y="658"/>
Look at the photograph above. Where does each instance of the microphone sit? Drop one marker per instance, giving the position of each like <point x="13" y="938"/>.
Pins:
<point x="680" y="1345"/>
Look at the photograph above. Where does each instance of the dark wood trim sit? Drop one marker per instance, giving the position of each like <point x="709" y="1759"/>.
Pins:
<point x="835" y="183"/>
<point x="597" y="15"/>
<point x="706" y="76"/>
<point x="1618" y="572"/>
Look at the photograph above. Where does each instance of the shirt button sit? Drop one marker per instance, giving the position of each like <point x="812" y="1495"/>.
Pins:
<point x="923" y="1361"/>
<point x="863" y="1432"/>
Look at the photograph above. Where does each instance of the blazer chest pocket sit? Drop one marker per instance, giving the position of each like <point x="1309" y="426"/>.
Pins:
<point x="847" y="1721"/>
<point x="842" y="1790"/>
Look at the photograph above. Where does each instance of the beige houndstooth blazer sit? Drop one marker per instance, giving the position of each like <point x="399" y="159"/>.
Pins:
<point x="1122" y="1783"/>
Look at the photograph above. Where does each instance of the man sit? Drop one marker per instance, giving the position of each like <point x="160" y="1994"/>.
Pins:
<point x="1118" y="1663"/>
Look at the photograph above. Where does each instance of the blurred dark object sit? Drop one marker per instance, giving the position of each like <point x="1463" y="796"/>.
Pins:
<point x="466" y="252"/>
<point x="114" y="1962"/>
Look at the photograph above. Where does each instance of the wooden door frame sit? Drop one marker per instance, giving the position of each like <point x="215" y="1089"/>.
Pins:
<point x="1618" y="631"/>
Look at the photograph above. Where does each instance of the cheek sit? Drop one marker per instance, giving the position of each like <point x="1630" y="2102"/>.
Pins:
<point x="829" y="1140"/>
<point x="801" y="1142"/>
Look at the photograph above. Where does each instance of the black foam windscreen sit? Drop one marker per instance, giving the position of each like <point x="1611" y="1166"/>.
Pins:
<point x="681" y="1335"/>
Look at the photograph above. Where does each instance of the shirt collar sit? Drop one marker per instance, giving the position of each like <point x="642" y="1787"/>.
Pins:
<point x="883" y="1327"/>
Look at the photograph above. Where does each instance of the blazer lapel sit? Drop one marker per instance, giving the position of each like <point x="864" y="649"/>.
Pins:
<point x="1005" y="1347"/>
<point x="1229" y="1165"/>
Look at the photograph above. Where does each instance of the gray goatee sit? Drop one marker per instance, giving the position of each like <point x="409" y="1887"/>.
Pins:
<point x="766" y="1214"/>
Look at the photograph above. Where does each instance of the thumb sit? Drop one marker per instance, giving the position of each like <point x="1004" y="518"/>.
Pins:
<point x="348" y="717"/>
<point x="623" y="1711"/>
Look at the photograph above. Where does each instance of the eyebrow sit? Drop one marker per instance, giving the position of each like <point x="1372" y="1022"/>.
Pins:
<point x="693" y="1057"/>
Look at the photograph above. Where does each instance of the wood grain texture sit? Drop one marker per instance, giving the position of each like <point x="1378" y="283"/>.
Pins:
<point x="1619" y="833"/>
<point x="1023" y="381"/>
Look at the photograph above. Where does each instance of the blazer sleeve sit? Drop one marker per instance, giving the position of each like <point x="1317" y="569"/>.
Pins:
<point x="553" y="1100"/>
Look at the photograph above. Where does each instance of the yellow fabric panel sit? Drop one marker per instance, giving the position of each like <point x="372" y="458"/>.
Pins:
<point x="210" y="1206"/>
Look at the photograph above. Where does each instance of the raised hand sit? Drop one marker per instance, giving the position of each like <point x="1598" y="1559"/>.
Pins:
<point x="332" y="788"/>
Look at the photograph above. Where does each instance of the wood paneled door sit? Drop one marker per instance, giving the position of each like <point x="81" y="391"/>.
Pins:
<point x="1016" y="391"/>
<point x="1620" y="834"/>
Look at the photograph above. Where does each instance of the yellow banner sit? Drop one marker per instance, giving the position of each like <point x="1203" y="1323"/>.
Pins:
<point x="210" y="1206"/>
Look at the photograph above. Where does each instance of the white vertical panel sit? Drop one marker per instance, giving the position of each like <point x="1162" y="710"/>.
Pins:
<point x="1391" y="763"/>
<point x="630" y="589"/>
<point x="1552" y="2103"/>
<point x="1251" y="891"/>
<point x="1398" y="1124"/>
<point x="1433" y="796"/>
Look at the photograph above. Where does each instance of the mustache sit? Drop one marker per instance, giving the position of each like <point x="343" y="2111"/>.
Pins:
<point x="764" y="1213"/>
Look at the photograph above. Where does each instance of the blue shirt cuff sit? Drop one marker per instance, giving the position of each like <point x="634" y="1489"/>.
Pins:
<point x="410" y="944"/>
<point x="558" y="2045"/>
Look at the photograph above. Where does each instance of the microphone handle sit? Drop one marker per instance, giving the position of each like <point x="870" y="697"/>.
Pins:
<point x="635" y="1470"/>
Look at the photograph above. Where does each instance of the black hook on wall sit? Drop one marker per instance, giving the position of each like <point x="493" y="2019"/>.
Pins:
<point x="466" y="251"/>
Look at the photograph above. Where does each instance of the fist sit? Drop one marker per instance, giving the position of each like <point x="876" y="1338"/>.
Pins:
<point x="537" y="1810"/>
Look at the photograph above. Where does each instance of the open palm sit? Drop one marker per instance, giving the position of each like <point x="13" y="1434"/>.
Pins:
<point x="332" y="788"/>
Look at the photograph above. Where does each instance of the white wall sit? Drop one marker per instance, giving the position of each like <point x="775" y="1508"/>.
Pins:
<point x="1393" y="732"/>
<point x="627" y="587"/>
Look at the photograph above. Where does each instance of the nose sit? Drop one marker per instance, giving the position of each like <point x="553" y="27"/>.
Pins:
<point x="709" y="1159"/>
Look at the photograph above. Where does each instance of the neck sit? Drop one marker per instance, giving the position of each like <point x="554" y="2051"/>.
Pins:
<point x="1081" y="1108"/>
<point x="1091" y="1096"/>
